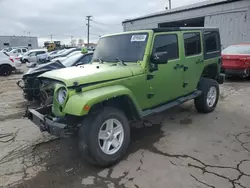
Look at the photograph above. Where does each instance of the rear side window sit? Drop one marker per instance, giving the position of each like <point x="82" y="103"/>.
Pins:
<point x="192" y="43"/>
<point x="167" y="43"/>
<point x="24" y="50"/>
<point x="19" y="50"/>
<point x="211" y="41"/>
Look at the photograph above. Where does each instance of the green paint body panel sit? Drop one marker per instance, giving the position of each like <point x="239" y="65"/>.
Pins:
<point x="147" y="89"/>
<point x="76" y="103"/>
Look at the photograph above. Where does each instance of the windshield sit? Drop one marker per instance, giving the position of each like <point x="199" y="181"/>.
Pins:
<point x="52" y="53"/>
<point x="61" y="51"/>
<point x="126" y="47"/>
<point x="237" y="49"/>
<point x="74" y="53"/>
<point x="71" y="60"/>
<point x="26" y="53"/>
<point x="13" y="51"/>
<point x="66" y="52"/>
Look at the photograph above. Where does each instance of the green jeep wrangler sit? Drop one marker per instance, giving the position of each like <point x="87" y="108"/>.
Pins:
<point x="132" y="75"/>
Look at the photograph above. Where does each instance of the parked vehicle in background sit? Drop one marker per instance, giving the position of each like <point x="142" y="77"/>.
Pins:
<point x="64" y="52"/>
<point x="236" y="60"/>
<point x="23" y="57"/>
<point x="63" y="58"/>
<point x="8" y="64"/>
<point x="18" y="51"/>
<point x="7" y="49"/>
<point x="133" y="75"/>
<point x="30" y="83"/>
<point x="31" y="59"/>
<point x="12" y="48"/>
<point x="45" y="58"/>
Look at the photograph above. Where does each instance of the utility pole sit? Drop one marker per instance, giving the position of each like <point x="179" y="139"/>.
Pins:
<point x="71" y="40"/>
<point x="88" y="18"/>
<point x="51" y="37"/>
<point x="170" y="6"/>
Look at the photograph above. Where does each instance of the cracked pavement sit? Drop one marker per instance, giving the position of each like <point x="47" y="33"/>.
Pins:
<point x="178" y="148"/>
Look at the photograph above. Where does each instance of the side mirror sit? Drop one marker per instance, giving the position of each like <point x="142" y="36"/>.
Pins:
<point x="159" y="58"/>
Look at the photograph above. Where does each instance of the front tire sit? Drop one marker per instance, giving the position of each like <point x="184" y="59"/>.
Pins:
<point x="104" y="137"/>
<point x="208" y="100"/>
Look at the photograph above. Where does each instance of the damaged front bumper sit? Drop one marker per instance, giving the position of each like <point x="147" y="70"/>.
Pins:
<point x="52" y="125"/>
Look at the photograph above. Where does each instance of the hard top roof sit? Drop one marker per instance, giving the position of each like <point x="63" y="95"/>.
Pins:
<point x="167" y="29"/>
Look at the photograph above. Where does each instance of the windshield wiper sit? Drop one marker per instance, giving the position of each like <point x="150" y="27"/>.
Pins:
<point x="98" y="59"/>
<point x="120" y="61"/>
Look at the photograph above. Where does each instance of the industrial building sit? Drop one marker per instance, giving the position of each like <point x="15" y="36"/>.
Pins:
<point x="232" y="17"/>
<point x="16" y="41"/>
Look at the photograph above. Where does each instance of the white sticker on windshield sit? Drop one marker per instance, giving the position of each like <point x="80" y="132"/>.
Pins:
<point x="138" y="38"/>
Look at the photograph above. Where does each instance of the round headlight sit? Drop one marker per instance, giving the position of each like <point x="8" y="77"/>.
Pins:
<point x="61" y="95"/>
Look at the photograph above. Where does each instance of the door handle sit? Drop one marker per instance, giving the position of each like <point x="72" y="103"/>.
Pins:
<point x="177" y="66"/>
<point x="185" y="68"/>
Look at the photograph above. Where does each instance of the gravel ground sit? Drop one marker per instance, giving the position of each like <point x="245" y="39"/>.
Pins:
<point x="178" y="148"/>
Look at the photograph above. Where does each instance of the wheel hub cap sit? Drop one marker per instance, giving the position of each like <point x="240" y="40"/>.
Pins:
<point x="211" y="96"/>
<point x="111" y="136"/>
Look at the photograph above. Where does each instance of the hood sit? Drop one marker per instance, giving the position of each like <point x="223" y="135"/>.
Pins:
<point x="93" y="73"/>
<point x="44" y="68"/>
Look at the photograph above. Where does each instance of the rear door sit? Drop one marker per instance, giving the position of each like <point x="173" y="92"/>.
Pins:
<point x="193" y="59"/>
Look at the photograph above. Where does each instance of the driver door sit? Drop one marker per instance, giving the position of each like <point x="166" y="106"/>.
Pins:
<point x="165" y="81"/>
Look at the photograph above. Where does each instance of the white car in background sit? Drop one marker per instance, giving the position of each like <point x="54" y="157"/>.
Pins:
<point x="8" y="64"/>
<point x="63" y="58"/>
<point x="18" y="51"/>
<point x="31" y="59"/>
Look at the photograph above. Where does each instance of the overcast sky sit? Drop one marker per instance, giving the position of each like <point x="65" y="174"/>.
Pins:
<point x="66" y="18"/>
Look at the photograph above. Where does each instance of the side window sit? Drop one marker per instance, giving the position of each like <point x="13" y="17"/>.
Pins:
<point x="24" y="50"/>
<point x="192" y="43"/>
<point x="32" y="54"/>
<point x="19" y="50"/>
<point x="86" y="59"/>
<point x="40" y="52"/>
<point x="167" y="43"/>
<point x="211" y="41"/>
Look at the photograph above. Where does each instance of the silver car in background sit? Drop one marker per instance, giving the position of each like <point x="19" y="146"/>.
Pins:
<point x="31" y="59"/>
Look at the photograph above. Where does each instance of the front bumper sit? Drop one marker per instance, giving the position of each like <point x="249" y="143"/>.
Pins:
<point x="48" y="123"/>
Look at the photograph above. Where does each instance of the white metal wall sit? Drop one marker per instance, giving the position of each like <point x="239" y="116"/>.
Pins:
<point x="233" y="27"/>
<point x="15" y="41"/>
<point x="233" y="20"/>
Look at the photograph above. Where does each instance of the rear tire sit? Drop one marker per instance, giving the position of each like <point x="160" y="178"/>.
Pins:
<point x="104" y="137"/>
<point x="208" y="100"/>
<point x="5" y="70"/>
